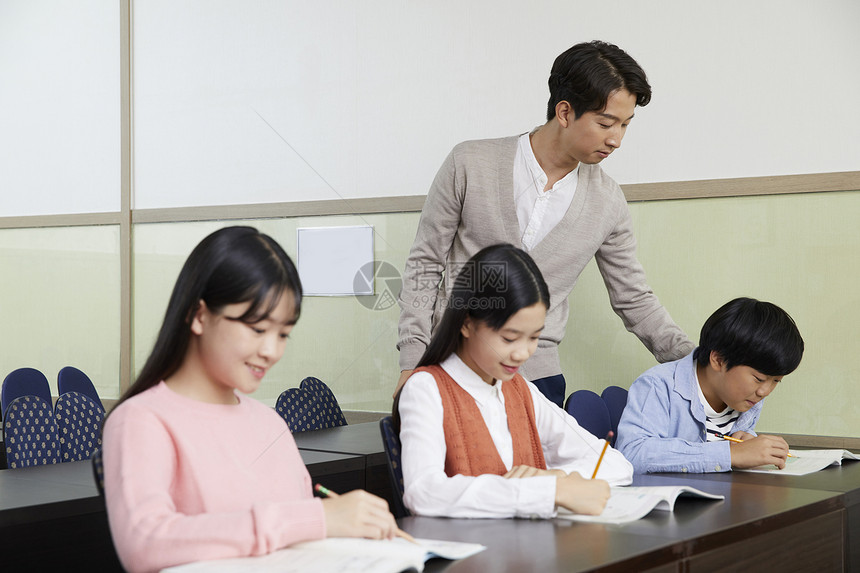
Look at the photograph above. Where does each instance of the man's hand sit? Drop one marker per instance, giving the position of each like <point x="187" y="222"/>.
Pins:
<point x="404" y="376"/>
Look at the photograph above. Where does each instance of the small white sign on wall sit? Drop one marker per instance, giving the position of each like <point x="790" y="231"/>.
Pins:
<point x="330" y="258"/>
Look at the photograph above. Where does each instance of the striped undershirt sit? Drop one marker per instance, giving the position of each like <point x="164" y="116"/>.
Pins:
<point x="722" y="422"/>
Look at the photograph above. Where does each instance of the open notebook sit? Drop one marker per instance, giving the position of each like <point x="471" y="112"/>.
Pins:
<point x="631" y="503"/>
<point x="806" y="462"/>
<point x="340" y="554"/>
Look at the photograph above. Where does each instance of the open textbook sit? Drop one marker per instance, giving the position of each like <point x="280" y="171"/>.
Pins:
<point x="631" y="503"/>
<point x="340" y="554"/>
<point x="806" y="462"/>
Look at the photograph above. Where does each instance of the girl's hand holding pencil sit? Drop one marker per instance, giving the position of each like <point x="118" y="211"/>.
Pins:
<point x="358" y="514"/>
<point x="581" y="495"/>
<point x="585" y="496"/>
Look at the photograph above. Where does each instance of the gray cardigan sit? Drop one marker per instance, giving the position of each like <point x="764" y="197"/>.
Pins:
<point x="471" y="206"/>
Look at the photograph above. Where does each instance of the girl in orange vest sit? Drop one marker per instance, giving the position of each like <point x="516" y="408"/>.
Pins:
<point x="477" y="439"/>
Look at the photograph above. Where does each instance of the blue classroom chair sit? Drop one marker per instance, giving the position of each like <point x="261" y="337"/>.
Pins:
<point x="590" y="412"/>
<point x="332" y="414"/>
<point x="615" y="398"/>
<point x="70" y="379"/>
<point x="24" y="382"/>
<point x="300" y="410"/>
<point x="79" y="423"/>
<point x="30" y="433"/>
<point x="99" y="470"/>
<point x="391" y="443"/>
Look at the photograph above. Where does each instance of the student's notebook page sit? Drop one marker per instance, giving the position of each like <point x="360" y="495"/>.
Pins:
<point x="628" y="504"/>
<point x="806" y="462"/>
<point x="340" y="554"/>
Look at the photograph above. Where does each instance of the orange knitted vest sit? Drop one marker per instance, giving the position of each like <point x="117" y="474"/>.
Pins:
<point x="470" y="448"/>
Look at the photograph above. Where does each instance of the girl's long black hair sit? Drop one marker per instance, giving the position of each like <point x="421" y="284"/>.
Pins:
<point x="232" y="265"/>
<point x="492" y="286"/>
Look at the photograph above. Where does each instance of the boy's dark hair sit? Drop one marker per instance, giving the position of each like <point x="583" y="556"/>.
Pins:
<point x="749" y="332"/>
<point x="586" y="75"/>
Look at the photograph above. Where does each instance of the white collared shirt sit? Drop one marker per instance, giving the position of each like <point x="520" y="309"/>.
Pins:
<point x="538" y="211"/>
<point x="429" y="490"/>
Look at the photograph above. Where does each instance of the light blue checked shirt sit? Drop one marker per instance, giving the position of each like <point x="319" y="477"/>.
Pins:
<point x="662" y="428"/>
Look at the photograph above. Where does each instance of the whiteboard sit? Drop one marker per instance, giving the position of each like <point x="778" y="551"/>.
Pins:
<point x="331" y="260"/>
<point x="59" y="107"/>
<point x="241" y="102"/>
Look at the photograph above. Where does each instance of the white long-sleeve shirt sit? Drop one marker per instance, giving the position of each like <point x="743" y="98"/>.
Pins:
<point x="538" y="211"/>
<point x="429" y="490"/>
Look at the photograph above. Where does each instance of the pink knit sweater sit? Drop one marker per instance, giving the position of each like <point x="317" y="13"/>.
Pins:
<point x="187" y="480"/>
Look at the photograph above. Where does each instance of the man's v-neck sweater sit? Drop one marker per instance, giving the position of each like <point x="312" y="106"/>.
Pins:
<point x="471" y="206"/>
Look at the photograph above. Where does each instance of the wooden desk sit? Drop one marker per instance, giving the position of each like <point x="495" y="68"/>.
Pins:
<point x="764" y="513"/>
<point x="354" y="439"/>
<point x="757" y="528"/>
<point x="47" y="492"/>
<point x="37" y="493"/>
<point x="338" y="472"/>
<point x="844" y="480"/>
<point x="364" y="439"/>
<point x="55" y="519"/>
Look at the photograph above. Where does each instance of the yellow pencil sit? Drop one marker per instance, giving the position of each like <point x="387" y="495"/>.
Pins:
<point x="600" y="459"/>
<point x="731" y="439"/>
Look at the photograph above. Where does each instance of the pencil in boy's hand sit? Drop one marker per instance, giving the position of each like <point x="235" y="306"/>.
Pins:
<point x="600" y="459"/>
<point x="731" y="439"/>
<point x="326" y="492"/>
<point x="725" y="437"/>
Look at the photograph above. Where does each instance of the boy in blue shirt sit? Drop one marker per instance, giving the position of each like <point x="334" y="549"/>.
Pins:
<point x="677" y="412"/>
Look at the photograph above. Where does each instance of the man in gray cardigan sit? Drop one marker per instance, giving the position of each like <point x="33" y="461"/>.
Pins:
<point x="544" y="192"/>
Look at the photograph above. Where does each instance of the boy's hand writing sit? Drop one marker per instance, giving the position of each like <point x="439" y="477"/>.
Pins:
<point x="580" y="495"/>
<point x="759" y="451"/>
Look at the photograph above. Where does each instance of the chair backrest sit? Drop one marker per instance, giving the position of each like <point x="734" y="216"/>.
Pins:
<point x="70" y="379"/>
<point x="333" y="415"/>
<point x="590" y="412"/>
<point x="99" y="470"/>
<point x="300" y="410"/>
<point x="24" y="382"/>
<point x="615" y="398"/>
<point x="30" y="433"/>
<point x="391" y="443"/>
<point x="79" y="424"/>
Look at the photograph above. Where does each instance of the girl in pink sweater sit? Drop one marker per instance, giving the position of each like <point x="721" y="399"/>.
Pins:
<point x="193" y="468"/>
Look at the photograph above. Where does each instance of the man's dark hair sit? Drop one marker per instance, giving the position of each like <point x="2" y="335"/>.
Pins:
<point x="587" y="74"/>
<point x="749" y="332"/>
